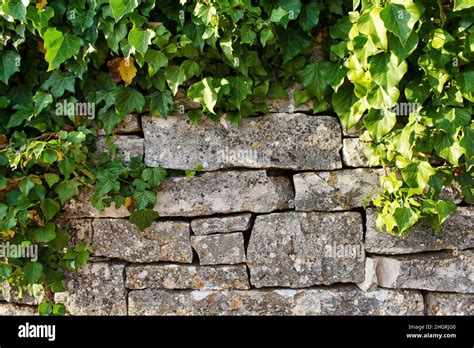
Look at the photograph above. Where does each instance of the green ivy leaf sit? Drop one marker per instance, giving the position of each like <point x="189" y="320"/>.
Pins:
<point x="204" y="93"/>
<point x="50" y="208"/>
<point x="379" y="122"/>
<point x="140" y="39"/>
<point x="67" y="189"/>
<point x="45" y="233"/>
<point x="161" y="103"/>
<point x="60" y="47"/>
<point x="400" y="19"/>
<point x="9" y="64"/>
<point x="121" y="8"/>
<point x="33" y="272"/>
<point x="312" y="78"/>
<point x="154" y="176"/>
<point x="58" y="83"/>
<point x="156" y="60"/>
<point x="143" y="218"/>
<point x="144" y="198"/>
<point x="128" y="100"/>
<point x="405" y="219"/>
<point x="241" y="87"/>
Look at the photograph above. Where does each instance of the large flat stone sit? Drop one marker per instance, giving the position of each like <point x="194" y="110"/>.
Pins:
<point x="223" y="192"/>
<point x="97" y="289"/>
<point x="345" y="300"/>
<point x="8" y="309"/>
<point x="441" y="271"/>
<point x="456" y="233"/>
<point x="187" y="277"/>
<point x="335" y="190"/>
<point x="220" y="249"/>
<point x="162" y="241"/>
<point x="223" y="224"/>
<point x="298" y="249"/>
<point x="439" y="303"/>
<point x="289" y="141"/>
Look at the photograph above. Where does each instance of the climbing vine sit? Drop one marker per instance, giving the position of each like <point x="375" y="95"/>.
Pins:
<point x="400" y="71"/>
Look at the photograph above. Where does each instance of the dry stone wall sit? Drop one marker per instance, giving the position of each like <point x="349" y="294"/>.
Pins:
<point x="274" y="226"/>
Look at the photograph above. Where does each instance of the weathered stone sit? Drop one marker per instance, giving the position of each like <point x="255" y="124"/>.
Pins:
<point x="81" y="207"/>
<point x="438" y="303"/>
<point x="162" y="241"/>
<point x="290" y="141"/>
<point x="456" y="233"/>
<point x="223" y="192"/>
<point x="187" y="277"/>
<point x="96" y="289"/>
<point x="128" y="146"/>
<point x="130" y="124"/>
<point x="184" y="103"/>
<point x="219" y="249"/>
<point x="440" y="271"/>
<point x="79" y="230"/>
<point x="341" y="300"/>
<point x="335" y="190"/>
<point x="353" y="153"/>
<point x="370" y="280"/>
<point x="230" y="223"/>
<point x="298" y="249"/>
<point x="7" y="309"/>
<point x="451" y="192"/>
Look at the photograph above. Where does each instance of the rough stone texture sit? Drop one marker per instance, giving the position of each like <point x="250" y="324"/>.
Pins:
<point x="440" y="271"/>
<point x="345" y="300"/>
<point x="97" y="289"/>
<point x="353" y="153"/>
<point x="80" y="207"/>
<point x="223" y="192"/>
<point x="456" y="233"/>
<point x="438" y="303"/>
<point x="290" y="141"/>
<point x="130" y="124"/>
<point x="336" y="190"/>
<point x="187" y="277"/>
<point x="219" y="249"/>
<point x="162" y="241"/>
<point x="128" y="146"/>
<point x="302" y="249"/>
<point x="224" y="224"/>
<point x="370" y="280"/>
<point x="7" y="309"/>
<point x="79" y="230"/>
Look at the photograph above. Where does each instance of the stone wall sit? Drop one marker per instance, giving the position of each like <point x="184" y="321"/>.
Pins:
<point x="274" y="226"/>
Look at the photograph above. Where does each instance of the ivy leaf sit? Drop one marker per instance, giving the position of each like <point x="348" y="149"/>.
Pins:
<point x="41" y="101"/>
<point x="154" y="176"/>
<point x="204" y="93"/>
<point x="50" y="208"/>
<point x="45" y="234"/>
<point x="140" y="39"/>
<point x="67" y="166"/>
<point x="60" y="47"/>
<point x="417" y="174"/>
<point x="405" y="218"/>
<point x="127" y="100"/>
<point x="156" y="60"/>
<point x="175" y="76"/>
<point x="161" y="103"/>
<point x="348" y="107"/>
<point x="23" y="113"/>
<point x="292" y="42"/>
<point x="16" y="9"/>
<point x="51" y="179"/>
<point x="278" y="14"/>
<point x="334" y="73"/>
<point x="9" y="64"/>
<point x="122" y="7"/>
<point x="127" y="70"/>
<point x="309" y="16"/>
<point x="58" y="83"/>
<point x="241" y="87"/>
<point x="462" y="4"/>
<point x="448" y="148"/>
<point x="312" y="78"/>
<point x="450" y="119"/>
<point x="143" y="218"/>
<point x="400" y="19"/>
<point x="467" y="143"/>
<point x="67" y="189"/>
<point x="33" y="272"/>
<point x="266" y="35"/>
<point x="143" y="199"/>
<point x="379" y="122"/>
